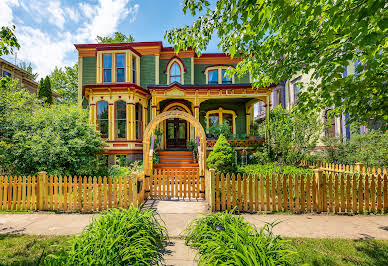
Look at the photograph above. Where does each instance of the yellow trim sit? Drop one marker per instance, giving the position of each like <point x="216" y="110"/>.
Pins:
<point x="219" y="73"/>
<point x="168" y="107"/>
<point x="156" y="69"/>
<point x="181" y="68"/>
<point x="220" y="111"/>
<point x="173" y="104"/>
<point x="80" y="62"/>
<point x="137" y="70"/>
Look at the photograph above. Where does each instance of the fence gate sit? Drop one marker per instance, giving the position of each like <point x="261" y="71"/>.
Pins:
<point x="175" y="183"/>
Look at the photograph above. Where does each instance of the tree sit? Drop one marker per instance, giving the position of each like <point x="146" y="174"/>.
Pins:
<point x="33" y="137"/>
<point x="118" y="38"/>
<point x="44" y="90"/>
<point x="65" y="83"/>
<point x="8" y="40"/>
<point x="222" y="157"/>
<point x="279" y="39"/>
<point x="28" y="68"/>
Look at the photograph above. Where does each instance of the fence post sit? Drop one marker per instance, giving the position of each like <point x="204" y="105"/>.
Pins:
<point x="319" y="177"/>
<point x="42" y="193"/>
<point x="359" y="167"/>
<point x="134" y="190"/>
<point x="212" y="189"/>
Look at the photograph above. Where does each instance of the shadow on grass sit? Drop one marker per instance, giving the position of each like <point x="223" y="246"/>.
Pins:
<point x="376" y="252"/>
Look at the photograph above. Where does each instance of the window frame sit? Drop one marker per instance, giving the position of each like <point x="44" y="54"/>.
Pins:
<point x="117" y="68"/>
<point x="220" y="111"/>
<point x="134" y="69"/>
<point x="180" y="73"/>
<point x="208" y="76"/>
<point x="139" y="122"/>
<point x="7" y="76"/>
<point x="98" y="119"/>
<point x="111" y="68"/>
<point x="222" y="77"/>
<point x="120" y="119"/>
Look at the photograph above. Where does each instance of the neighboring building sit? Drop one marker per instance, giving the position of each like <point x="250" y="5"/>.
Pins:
<point x="126" y="85"/>
<point x="10" y="70"/>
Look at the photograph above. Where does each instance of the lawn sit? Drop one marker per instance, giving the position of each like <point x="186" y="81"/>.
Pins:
<point x="26" y="250"/>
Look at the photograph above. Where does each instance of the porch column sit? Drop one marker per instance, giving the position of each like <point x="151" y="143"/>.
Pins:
<point x="129" y="121"/>
<point x="92" y="113"/>
<point x="111" y="124"/>
<point x="248" y="120"/>
<point x="132" y="119"/>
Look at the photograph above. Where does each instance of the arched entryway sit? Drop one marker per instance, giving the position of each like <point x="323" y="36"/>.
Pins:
<point x="200" y="132"/>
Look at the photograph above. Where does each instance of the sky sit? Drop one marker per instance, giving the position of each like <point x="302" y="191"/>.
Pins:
<point x="48" y="29"/>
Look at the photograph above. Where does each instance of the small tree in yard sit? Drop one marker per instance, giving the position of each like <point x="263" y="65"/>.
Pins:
<point x="222" y="157"/>
<point x="44" y="90"/>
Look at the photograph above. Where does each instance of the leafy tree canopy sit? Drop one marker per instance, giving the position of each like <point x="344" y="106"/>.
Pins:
<point x="8" y="40"/>
<point x="280" y="39"/>
<point x="118" y="38"/>
<point x="64" y="81"/>
<point x="44" y="90"/>
<point x="28" y="68"/>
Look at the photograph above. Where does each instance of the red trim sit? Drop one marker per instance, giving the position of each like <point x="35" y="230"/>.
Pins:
<point x="197" y="106"/>
<point x="214" y="55"/>
<point x="172" y="58"/>
<point x="123" y="47"/>
<point x="154" y="106"/>
<point x="218" y="65"/>
<point x="215" y="86"/>
<point x="92" y="104"/>
<point x="131" y="103"/>
<point x="109" y="85"/>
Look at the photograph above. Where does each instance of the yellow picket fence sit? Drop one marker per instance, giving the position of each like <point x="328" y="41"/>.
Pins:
<point x="178" y="183"/>
<point x="321" y="192"/>
<point x="343" y="168"/>
<point x="82" y="194"/>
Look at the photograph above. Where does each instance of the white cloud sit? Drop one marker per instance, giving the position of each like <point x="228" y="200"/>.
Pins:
<point x="47" y="50"/>
<point x="6" y="15"/>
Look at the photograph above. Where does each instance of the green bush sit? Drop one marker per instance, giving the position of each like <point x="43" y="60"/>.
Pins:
<point x="270" y="168"/>
<point x="221" y="129"/>
<point x="222" y="157"/>
<point x="117" y="237"/>
<point x="225" y="239"/>
<point x="371" y="149"/>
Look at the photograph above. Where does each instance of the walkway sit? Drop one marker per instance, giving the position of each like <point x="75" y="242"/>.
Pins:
<point x="177" y="215"/>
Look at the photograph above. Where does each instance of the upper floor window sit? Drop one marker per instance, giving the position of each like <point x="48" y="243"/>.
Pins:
<point x="120" y="67"/>
<point x="6" y="74"/>
<point x="120" y="120"/>
<point x="225" y="78"/>
<point x="102" y="118"/>
<point x="295" y="88"/>
<point x="213" y="76"/>
<point x="133" y="70"/>
<point x="139" y="120"/>
<point x="107" y="68"/>
<point x="175" y="73"/>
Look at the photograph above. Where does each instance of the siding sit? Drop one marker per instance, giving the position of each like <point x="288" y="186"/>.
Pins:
<point x="89" y="68"/>
<point x="200" y="78"/>
<point x="187" y="74"/>
<point x="162" y="75"/>
<point x="147" y="70"/>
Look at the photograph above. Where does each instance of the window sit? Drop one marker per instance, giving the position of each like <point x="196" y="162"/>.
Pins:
<point x="120" y="120"/>
<point x="175" y="73"/>
<point x="213" y="77"/>
<point x="296" y="88"/>
<point x="220" y="116"/>
<point x="107" y="68"/>
<point x="133" y="70"/>
<point x="7" y="74"/>
<point x="102" y="118"/>
<point x="120" y="68"/>
<point x="228" y="118"/>
<point x="225" y="78"/>
<point x="330" y="125"/>
<point x="139" y="120"/>
<point x="213" y="119"/>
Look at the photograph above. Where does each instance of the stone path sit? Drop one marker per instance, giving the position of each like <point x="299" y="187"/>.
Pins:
<point x="177" y="215"/>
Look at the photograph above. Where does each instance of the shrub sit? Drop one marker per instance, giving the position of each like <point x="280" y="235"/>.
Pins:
<point x="270" y="168"/>
<point x="221" y="129"/>
<point x="222" y="157"/>
<point x="225" y="239"/>
<point x="117" y="237"/>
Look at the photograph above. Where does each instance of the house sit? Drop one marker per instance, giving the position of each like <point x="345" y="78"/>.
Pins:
<point x="10" y="70"/>
<point x="127" y="85"/>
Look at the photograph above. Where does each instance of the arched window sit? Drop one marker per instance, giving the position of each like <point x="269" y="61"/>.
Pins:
<point x="120" y="120"/>
<point x="139" y="120"/>
<point x="330" y="125"/>
<point x="102" y="118"/>
<point x="220" y="116"/>
<point x="175" y="73"/>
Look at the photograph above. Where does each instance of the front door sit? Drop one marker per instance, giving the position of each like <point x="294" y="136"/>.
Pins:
<point x="176" y="133"/>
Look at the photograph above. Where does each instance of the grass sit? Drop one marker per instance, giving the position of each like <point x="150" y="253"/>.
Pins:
<point x="27" y="249"/>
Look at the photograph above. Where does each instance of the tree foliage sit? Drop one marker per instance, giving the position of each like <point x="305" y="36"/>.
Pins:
<point x="37" y="137"/>
<point x="8" y="40"/>
<point x="28" y="68"/>
<point x="44" y="90"/>
<point x="292" y="136"/>
<point x="117" y="38"/>
<point x="222" y="157"/>
<point x="64" y="81"/>
<point x="280" y="39"/>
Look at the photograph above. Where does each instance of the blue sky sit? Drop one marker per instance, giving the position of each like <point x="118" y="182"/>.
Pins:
<point x="47" y="29"/>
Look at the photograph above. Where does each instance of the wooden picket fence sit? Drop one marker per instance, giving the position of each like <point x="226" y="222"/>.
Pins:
<point x="343" y="168"/>
<point x="82" y="194"/>
<point x="321" y="192"/>
<point x="174" y="183"/>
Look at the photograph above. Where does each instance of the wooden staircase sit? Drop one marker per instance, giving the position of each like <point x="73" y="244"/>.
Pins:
<point x="176" y="159"/>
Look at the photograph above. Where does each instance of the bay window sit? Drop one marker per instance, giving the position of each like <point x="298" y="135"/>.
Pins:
<point x="120" y="120"/>
<point x="102" y="120"/>
<point x="107" y="68"/>
<point x="120" y="67"/>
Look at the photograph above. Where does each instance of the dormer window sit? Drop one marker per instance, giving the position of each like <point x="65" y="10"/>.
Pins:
<point x="225" y="78"/>
<point x="175" y="73"/>
<point x="107" y="68"/>
<point x="213" y="76"/>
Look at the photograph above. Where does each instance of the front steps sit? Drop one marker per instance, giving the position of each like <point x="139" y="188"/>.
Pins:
<point x="176" y="159"/>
